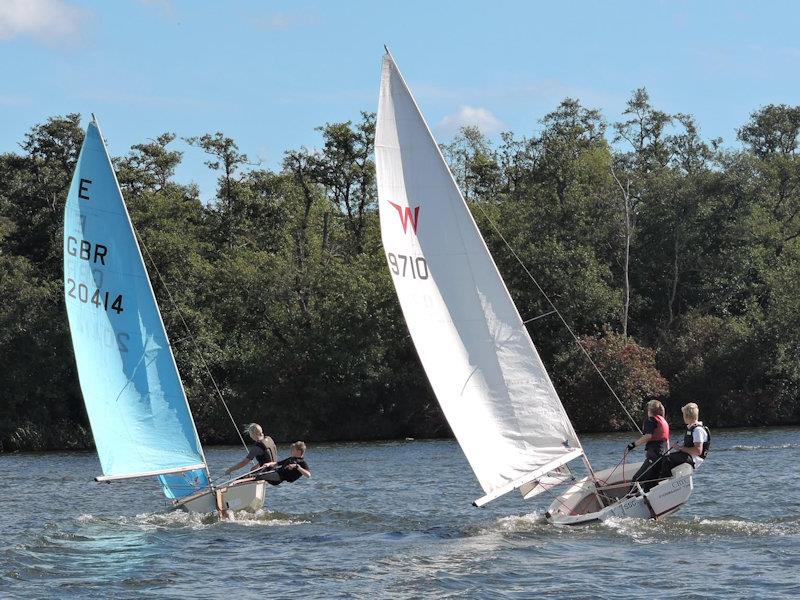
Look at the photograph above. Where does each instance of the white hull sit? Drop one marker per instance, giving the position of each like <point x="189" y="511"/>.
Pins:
<point x="585" y="502"/>
<point x="245" y="494"/>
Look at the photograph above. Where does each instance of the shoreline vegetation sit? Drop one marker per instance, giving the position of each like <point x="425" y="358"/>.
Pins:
<point x="676" y="430"/>
<point x="675" y="259"/>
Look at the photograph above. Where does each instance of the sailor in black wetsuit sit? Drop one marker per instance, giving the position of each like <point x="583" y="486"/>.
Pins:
<point x="263" y="451"/>
<point x="289" y="469"/>
<point x="696" y="442"/>
<point x="655" y="437"/>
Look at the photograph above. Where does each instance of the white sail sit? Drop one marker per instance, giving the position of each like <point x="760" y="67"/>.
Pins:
<point x="473" y="345"/>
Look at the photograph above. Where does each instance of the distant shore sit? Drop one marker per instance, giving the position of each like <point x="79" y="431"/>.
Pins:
<point x="675" y="432"/>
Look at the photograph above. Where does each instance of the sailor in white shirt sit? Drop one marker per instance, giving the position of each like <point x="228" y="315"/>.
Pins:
<point x="696" y="442"/>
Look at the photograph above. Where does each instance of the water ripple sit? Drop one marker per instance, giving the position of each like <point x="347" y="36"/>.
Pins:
<point x="378" y="521"/>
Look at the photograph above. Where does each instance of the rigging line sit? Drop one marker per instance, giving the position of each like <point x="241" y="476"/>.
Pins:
<point x="191" y="336"/>
<point x="249" y="473"/>
<point x="620" y="463"/>
<point x="560" y="316"/>
<point x="660" y="458"/>
<point x="559" y="500"/>
<point x="549" y="312"/>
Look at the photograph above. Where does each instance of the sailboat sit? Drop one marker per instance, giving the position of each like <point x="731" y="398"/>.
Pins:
<point x="137" y="407"/>
<point x="473" y="345"/>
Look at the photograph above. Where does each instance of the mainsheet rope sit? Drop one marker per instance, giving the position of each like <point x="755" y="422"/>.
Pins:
<point x="191" y="337"/>
<point x="560" y="316"/>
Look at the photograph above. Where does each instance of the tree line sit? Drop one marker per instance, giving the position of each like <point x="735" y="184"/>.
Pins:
<point x="675" y="259"/>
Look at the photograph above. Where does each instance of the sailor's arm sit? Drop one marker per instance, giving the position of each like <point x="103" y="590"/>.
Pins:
<point x="694" y="450"/>
<point x="642" y="440"/>
<point x="237" y="466"/>
<point x="303" y="472"/>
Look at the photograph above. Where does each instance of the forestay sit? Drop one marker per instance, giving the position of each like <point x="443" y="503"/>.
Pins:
<point x="473" y="345"/>
<point x="137" y="407"/>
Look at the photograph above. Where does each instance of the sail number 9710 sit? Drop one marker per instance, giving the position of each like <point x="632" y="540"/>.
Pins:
<point x="408" y="266"/>
<point x="81" y="292"/>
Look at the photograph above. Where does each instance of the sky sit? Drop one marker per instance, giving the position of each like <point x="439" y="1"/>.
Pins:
<point x="268" y="72"/>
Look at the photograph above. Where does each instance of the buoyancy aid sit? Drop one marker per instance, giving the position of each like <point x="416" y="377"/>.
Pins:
<point x="661" y="433"/>
<point x="269" y="453"/>
<point x="659" y="437"/>
<point x="688" y="439"/>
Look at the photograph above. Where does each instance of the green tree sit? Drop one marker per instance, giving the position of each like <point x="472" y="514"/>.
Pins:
<point x="634" y="172"/>
<point x="473" y="163"/>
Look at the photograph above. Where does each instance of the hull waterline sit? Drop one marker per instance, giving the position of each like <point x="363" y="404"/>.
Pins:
<point x="247" y="494"/>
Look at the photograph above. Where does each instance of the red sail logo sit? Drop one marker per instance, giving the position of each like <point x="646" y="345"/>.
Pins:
<point x="406" y="217"/>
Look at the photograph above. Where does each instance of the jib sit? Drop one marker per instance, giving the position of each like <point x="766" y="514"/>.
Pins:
<point x="85" y="250"/>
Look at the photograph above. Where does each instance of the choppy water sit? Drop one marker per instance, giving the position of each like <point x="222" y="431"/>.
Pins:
<point x="395" y="520"/>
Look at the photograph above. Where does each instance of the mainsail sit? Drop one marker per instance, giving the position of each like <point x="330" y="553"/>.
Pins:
<point x="134" y="397"/>
<point x="473" y="345"/>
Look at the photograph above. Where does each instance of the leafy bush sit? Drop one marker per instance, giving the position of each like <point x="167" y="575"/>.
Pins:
<point x="628" y="367"/>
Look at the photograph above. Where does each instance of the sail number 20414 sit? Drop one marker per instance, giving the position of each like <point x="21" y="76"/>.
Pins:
<point x="415" y="267"/>
<point x="99" y="298"/>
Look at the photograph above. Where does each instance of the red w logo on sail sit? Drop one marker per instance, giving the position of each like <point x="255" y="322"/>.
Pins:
<point x="406" y="216"/>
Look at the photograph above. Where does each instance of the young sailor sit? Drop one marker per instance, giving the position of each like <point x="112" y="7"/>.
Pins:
<point x="289" y="469"/>
<point x="655" y="437"/>
<point x="696" y="442"/>
<point x="264" y="451"/>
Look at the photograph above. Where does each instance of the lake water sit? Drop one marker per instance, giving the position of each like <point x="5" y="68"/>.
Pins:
<point x="395" y="520"/>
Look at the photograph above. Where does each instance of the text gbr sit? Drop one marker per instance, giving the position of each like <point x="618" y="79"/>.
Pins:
<point x="93" y="253"/>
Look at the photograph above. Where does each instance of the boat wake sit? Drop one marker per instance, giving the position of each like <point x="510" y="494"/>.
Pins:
<point x="745" y="448"/>
<point x="533" y="522"/>
<point x="185" y="520"/>
<point x="648" y="531"/>
<point x="515" y="523"/>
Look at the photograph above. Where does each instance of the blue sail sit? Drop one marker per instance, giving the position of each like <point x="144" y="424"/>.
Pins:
<point x="134" y="397"/>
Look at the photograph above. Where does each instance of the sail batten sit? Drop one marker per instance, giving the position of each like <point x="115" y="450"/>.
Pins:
<point x="134" y="397"/>
<point x="473" y="346"/>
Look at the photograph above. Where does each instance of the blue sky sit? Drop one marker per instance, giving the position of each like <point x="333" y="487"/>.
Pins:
<point x="268" y="72"/>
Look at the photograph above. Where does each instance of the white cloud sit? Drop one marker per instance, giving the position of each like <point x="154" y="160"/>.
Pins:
<point x="14" y="100"/>
<point x="165" y="7"/>
<point x="47" y="20"/>
<point x="481" y="118"/>
<point x="284" y="21"/>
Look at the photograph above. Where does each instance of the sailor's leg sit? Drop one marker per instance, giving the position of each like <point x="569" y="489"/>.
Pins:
<point x="650" y="475"/>
<point x="672" y="460"/>
<point x="646" y="472"/>
<point x="270" y="476"/>
<point x="219" y="495"/>
<point x="642" y="470"/>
